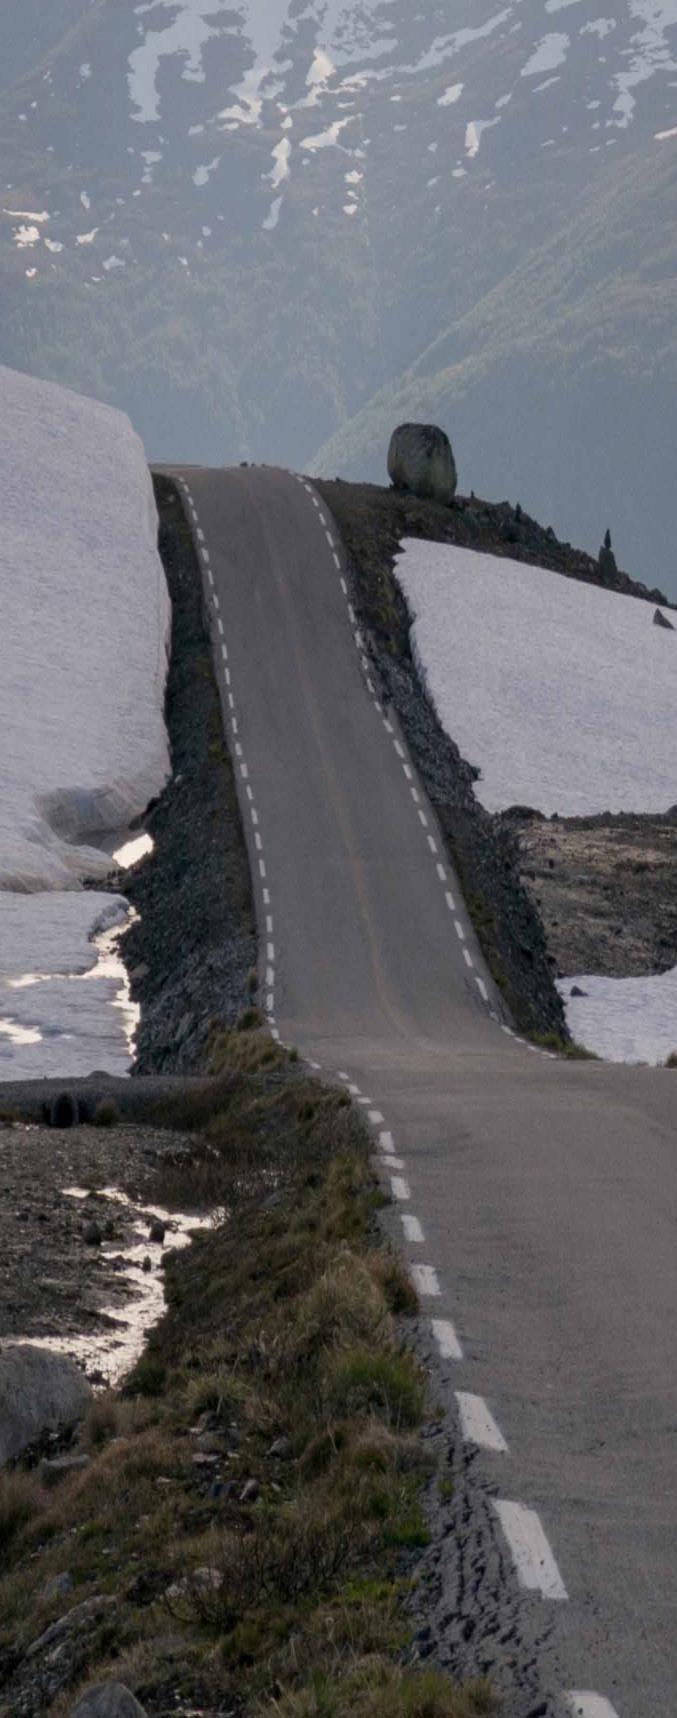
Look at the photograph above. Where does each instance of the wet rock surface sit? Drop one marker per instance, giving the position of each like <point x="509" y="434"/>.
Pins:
<point x="54" y="1284"/>
<point x="192" y="950"/>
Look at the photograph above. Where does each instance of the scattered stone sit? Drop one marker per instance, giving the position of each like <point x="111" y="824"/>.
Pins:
<point x="91" y="1234"/>
<point x="90" y="1611"/>
<point x="576" y="991"/>
<point x="420" y="460"/>
<point x="57" y="1587"/>
<point x="108" y="1700"/>
<point x="53" y="1470"/>
<point x="147" y="1264"/>
<point x="250" y="1491"/>
<point x="209" y="1444"/>
<point x="39" y="1392"/>
<point x="156" y="1231"/>
<point x="661" y="620"/>
<point x="280" y="1450"/>
<point x="204" y="1580"/>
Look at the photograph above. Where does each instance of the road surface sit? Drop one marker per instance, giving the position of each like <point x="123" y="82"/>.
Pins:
<point x="536" y="1199"/>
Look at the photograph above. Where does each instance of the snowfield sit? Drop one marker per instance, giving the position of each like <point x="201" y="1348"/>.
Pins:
<point x="624" y="1019"/>
<point x="563" y="694"/>
<point x="83" y="659"/>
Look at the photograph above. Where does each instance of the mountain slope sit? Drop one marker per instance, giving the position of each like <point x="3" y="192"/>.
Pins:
<point x="245" y="223"/>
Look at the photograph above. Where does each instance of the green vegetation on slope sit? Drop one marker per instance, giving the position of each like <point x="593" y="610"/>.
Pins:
<point x="252" y="1505"/>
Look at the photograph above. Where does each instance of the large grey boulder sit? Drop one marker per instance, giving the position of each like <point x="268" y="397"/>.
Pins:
<point x="108" y="1700"/>
<point x="39" y="1392"/>
<point x="420" y="460"/>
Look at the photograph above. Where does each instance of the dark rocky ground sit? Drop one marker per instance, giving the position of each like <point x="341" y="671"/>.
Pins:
<point x="549" y="896"/>
<point x="193" y="949"/>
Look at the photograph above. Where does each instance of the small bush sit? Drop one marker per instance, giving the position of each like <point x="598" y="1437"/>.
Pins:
<point x="106" y="1113"/>
<point x="671" y="1060"/>
<point x="388" y="1385"/>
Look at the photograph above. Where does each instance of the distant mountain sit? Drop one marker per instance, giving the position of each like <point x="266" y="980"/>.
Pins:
<point x="269" y="230"/>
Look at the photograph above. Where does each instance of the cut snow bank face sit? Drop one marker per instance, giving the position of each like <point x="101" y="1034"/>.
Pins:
<point x="563" y="694"/>
<point x="83" y="660"/>
<point x="83" y="641"/>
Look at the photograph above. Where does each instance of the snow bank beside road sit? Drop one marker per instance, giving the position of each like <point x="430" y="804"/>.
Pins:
<point x="85" y="621"/>
<point x="563" y="694"/>
<point x="83" y="658"/>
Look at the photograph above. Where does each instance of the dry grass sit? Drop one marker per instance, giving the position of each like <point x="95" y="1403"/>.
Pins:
<point x="281" y="1329"/>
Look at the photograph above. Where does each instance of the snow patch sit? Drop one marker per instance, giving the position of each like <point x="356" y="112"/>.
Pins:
<point x="624" y="1019"/>
<point x="563" y="694"/>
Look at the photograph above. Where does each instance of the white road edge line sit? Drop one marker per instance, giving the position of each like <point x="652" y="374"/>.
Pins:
<point x="400" y="1188"/>
<point x="478" y="1425"/>
<point x="482" y="989"/>
<point x="584" y="1705"/>
<point x="426" y="1281"/>
<point x="446" y="1339"/>
<point x="412" y="1230"/>
<point x="534" y="1562"/>
<point x="375" y="1117"/>
<point x="386" y="1141"/>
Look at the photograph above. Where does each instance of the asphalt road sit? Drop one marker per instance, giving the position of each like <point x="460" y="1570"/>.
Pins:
<point x="536" y="1199"/>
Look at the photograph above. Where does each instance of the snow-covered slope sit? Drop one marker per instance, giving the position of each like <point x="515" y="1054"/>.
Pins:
<point x="272" y="230"/>
<point x="85" y="616"/>
<point x="83" y="658"/>
<point x="564" y="695"/>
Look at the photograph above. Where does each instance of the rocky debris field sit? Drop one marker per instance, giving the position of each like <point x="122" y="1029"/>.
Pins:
<point x="549" y="897"/>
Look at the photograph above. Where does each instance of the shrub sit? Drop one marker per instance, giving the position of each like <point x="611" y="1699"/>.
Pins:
<point x="106" y="1113"/>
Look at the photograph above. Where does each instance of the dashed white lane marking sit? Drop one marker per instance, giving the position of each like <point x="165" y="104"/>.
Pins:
<point x="266" y="897"/>
<point x="344" y="587"/>
<point x="450" y="901"/>
<point x="408" y="772"/>
<point x="415" y="795"/>
<point x="262" y="868"/>
<point x="206" y="556"/>
<point x="446" y="1339"/>
<point x="316" y="1067"/>
<point x="399" y="749"/>
<point x="468" y="957"/>
<point x="270" y="976"/>
<point x="258" y="842"/>
<point x="390" y="1162"/>
<point x="337" y="562"/>
<point x="478" y="1425"/>
<point x="270" y="952"/>
<point x="250" y="793"/>
<point x="344" y="1076"/>
<point x="432" y="844"/>
<point x="354" y="1091"/>
<point x="534" y="1562"/>
<point x="365" y="1102"/>
<point x="442" y="875"/>
<point x="253" y="814"/>
<point x="376" y="1118"/>
<point x="426" y="1281"/>
<point x="210" y="576"/>
<point x="412" y="1230"/>
<point x="584" y="1705"/>
<point x="269" y="925"/>
<point x="200" y="534"/>
<point x="219" y="623"/>
<point x="400" y="1188"/>
<point x="482" y="988"/>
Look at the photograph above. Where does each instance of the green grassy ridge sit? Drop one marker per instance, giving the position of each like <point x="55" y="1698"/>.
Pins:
<point x="283" y="1339"/>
